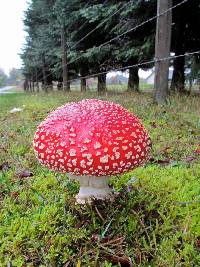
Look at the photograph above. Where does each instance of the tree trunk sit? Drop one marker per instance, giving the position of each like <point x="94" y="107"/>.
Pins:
<point x="30" y="85"/>
<point x="66" y="84"/>
<point x="198" y="82"/>
<point x="178" y="78"/>
<point x="83" y="73"/>
<point x="37" y="86"/>
<point x="44" y="80"/>
<point x="83" y="85"/>
<point x="33" y="86"/>
<point x="101" y="87"/>
<point x="162" y="50"/>
<point x="133" y="81"/>
<point x="59" y="86"/>
<point x="26" y="85"/>
<point x="36" y="81"/>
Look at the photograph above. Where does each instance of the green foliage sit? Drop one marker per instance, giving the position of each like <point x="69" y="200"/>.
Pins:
<point x="3" y="78"/>
<point x="154" y="219"/>
<point x="44" y="21"/>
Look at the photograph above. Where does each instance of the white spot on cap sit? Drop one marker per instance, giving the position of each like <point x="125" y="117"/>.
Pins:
<point x="74" y="162"/>
<point x="115" y="149"/>
<point x="35" y="144"/>
<point x="72" y="152"/>
<point x="97" y="145"/>
<point x="104" y="159"/>
<point x="117" y="155"/>
<point x="119" y="138"/>
<point x="60" y="153"/>
<point x="41" y="146"/>
<point x="128" y="155"/>
<point x="82" y="163"/>
<point x="115" y="165"/>
<point x="72" y="135"/>
<point x="122" y="163"/>
<point x="133" y="134"/>
<point x="87" y="155"/>
<point x="86" y="141"/>
<point x="84" y="148"/>
<point x="63" y="144"/>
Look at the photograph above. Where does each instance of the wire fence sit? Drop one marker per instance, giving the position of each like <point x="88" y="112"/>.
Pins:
<point x="86" y="36"/>
<point x="142" y="64"/>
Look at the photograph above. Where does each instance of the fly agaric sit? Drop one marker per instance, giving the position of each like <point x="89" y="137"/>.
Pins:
<point x="90" y="141"/>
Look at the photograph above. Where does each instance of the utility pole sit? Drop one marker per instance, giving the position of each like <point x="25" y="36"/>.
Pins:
<point x="162" y="50"/>
<point x="66" y="85"/>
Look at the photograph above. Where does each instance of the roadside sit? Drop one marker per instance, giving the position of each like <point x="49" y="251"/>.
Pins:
<point x="8" y="90"/>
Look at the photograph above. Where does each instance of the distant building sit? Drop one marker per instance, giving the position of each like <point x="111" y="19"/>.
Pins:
<point x="117" y="79"/>
<point x="150" y="79"/>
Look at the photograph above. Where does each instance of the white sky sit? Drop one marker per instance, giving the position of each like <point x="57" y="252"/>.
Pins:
<point x="12" y="36"/>
<point x="142" y="74"/>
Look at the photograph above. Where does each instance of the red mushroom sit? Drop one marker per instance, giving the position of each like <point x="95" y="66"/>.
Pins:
<point x="91" y="140"/>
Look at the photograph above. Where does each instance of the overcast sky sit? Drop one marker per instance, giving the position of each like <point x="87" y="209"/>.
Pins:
<point x="12" y="36"/>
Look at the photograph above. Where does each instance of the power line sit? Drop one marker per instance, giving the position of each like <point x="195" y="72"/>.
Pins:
<point x="132" y="29"/>
<point x="87" y="21"/>
<point x="135" y="27"/>
<point x="50" y="65"/>
<point x="143" y="23"/>
<point x="98" y="26"/>
<point x="136" y="65"/>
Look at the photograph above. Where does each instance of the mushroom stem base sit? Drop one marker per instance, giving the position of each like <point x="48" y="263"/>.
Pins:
<point x="92" y="187"/>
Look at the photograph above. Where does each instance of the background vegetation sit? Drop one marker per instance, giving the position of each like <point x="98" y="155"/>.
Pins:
<point x="155" y="218"/>
<point x="60" y="47"/>
<point x="13" y="78"/>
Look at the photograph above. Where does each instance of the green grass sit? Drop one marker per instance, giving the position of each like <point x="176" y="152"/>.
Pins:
<point x="155" y="218"/>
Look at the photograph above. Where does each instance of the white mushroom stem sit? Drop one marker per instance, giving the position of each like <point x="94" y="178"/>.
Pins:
<point x="92" y="187"/>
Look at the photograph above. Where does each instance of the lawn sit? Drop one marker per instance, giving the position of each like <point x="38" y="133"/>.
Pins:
<point x="154" y="219"/>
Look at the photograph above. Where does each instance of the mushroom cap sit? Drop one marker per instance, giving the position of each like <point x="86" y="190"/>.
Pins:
<point x="91" y="137"/>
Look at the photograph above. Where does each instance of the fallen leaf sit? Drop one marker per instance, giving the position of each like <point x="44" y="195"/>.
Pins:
<point x="197" y="243"/>
<point x="190" y="158"/>
<point x="197" y="151"/>
<point x="25" y="174"/>
<point x="4" y="167"/>
<point x="153" y="124"/>
<point x="124" y="261"/>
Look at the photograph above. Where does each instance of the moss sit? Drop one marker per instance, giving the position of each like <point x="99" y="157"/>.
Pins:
<point x="154" y="220"/>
